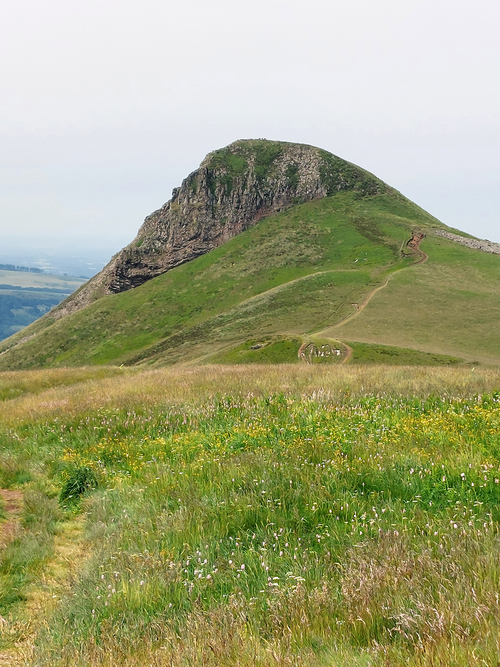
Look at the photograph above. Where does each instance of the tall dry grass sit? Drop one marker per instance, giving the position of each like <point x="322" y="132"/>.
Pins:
<point x="285" y="515"/>
<point x="73" y="391"/>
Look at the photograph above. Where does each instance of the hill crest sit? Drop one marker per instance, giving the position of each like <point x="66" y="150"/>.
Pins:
<point x="233" y="188"/>
<point x="270" y="249"/>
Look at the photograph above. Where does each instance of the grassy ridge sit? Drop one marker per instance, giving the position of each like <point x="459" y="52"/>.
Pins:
<point x="293" y="272"/>
<point x="16" y="384"/>
<point x="296" y="516"/>
<point x="448" y="306"/>
<point x="335" y="268"/>
<point x="365" y="353"/>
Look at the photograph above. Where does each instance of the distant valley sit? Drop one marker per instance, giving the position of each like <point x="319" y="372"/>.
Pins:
<point x="27" y="295"/>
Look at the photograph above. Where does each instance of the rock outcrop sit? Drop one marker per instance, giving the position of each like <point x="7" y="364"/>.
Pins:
<point x="485" y="246"/>
<point x="233" y="188"/>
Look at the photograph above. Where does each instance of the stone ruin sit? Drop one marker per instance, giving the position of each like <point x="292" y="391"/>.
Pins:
<point x="312" y="352"/>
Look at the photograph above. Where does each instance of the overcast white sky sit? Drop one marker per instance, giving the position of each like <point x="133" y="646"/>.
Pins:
<point x="106" y="105"/>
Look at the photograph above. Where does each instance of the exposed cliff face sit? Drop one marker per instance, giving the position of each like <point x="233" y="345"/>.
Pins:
<point x="233" y="188"/>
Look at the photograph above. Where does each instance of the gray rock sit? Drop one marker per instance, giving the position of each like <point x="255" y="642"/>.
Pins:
<point x="477" y="244"/>
<point x="233" y="188"/>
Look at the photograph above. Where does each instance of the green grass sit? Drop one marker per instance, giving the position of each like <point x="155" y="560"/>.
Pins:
<point x="260" y="516"/>
<point x="365" y="353"/>
<point x="265" y="350"/>
<point x="448" y="305"/>
<point x="295" y="272"/>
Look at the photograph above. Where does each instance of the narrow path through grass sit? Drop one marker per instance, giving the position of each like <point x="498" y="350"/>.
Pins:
<point x="423" y="258"/>
<point x="44" y="597"/>
<point x="370" y="295"/>
<point x="12" y="507"/>
<point x="40" y="553"/>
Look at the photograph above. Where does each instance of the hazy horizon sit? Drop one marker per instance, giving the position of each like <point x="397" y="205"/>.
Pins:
<point x="107" y="106"/>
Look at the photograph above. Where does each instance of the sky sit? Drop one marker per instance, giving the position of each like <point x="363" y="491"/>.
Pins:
<point x="106" y="105"/>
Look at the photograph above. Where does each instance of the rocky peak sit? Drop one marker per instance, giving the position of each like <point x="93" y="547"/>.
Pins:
<point x="233" y="188"/>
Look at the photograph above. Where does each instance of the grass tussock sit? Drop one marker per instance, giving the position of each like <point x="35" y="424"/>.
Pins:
<point x="284" y="515"/>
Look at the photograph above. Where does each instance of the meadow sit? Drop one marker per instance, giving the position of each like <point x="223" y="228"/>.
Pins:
<point x="251" y="515"/>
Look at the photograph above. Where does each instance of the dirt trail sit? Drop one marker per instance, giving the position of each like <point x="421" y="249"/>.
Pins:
<point x="414" y="244"/>
<point x="348" y="356"/>
<point x="13" y="502"/>
<point x="46" y="595"/>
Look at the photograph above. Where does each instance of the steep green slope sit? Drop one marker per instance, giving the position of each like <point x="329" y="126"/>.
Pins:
<point x="295" y="272"/>
<point x="448" y="305"/>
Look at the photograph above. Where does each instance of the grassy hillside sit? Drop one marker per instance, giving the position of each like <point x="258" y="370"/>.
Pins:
<point x="449" y="305"/>
<point x="295" y="274"/>
<point x="337" y="268"/>
<point x="250" y="516"/>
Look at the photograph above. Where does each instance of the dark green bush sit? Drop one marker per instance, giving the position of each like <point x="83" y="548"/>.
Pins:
<point x="80" y="479"/>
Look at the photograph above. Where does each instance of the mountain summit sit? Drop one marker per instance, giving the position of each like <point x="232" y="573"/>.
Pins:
<point x="232" y="189"/>
<point x="275" y="252"/>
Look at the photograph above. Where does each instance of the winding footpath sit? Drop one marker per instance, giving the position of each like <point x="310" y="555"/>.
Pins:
<point x="370" y="295"/>
<point x="423" y="257"/>
<point x="13" y="501"/>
